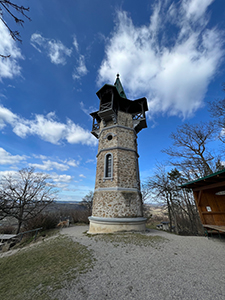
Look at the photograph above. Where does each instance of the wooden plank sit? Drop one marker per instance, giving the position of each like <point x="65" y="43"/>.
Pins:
<point x="196" y="194"/>
<point x="199" y="197"/>
<point x="7" y="236"/>
<point x="214" y="212"/>
<point x="215" y="227"/>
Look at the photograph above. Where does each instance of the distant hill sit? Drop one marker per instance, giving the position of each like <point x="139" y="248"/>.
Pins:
<point x="68" y="202"/>
<point x="64" y="205"/>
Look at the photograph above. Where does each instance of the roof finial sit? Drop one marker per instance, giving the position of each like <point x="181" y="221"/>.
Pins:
<point x="118" y="75"/>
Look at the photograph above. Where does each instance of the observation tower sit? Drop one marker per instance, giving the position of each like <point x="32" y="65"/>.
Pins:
<point x="117" y="202"/>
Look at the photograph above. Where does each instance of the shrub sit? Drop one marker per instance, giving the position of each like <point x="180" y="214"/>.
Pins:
<point x="80" y="216"/>
<point x="7" y="229"/>
<point x="46" y="221"/>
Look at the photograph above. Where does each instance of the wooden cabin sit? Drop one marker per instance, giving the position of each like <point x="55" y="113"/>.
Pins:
<point x="209" y="194"/>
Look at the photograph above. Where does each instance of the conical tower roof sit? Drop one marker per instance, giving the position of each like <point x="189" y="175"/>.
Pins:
<point x="119" y="87"/>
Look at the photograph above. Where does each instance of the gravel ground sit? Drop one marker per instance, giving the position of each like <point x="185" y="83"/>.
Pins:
<point x="174" y="267"/>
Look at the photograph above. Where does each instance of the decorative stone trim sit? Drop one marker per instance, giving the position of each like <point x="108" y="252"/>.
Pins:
<point x="119" y="148"/>
<point x="114" y="126"/>
<point x="118" y="220"/>
<point x="117" y="189"/>
<point x="108" y="225"/>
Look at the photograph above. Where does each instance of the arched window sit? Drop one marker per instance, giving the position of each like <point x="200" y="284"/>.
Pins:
<point x="108" y="165"/>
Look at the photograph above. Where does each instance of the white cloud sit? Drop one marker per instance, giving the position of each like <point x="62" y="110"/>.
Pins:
<point x="61" y="178"/>
<point x="80" y="70"/>
<point x="6" y="116"/>
<point x="43" y="157"/>
<point x="50" y="165"/>
<point x="87" y="111"/>
<point x="82" y="176"/>
<point x="172" y="70"/>
<point x="47" y="164"/>
<point x="58" y="53"/>
<point x="8" y="159"/>
<point x="75" y="43"/>
<point x="76" y="134"/>
<point x="47" y="128"/>
<point x="14" y="174"/>
<point x="195" y="9"/>
<point x="9" y="67"/>
<point x="55" y="49"/>
<point x="72" y="163"/>
<point x="90" y="161"/>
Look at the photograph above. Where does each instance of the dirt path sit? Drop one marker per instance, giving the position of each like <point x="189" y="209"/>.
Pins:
<point x="176" y="267"/>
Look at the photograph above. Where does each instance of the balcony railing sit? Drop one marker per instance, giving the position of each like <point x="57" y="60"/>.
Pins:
<point x="105" y="106"/>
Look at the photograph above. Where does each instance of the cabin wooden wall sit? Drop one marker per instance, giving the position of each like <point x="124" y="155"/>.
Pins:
<point x="207" y="198"/>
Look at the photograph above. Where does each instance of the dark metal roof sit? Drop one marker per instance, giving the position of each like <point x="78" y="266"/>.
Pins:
<point x="124" y="104"/>
<point x="207" y="180"/>
<point x="119" y="87"/>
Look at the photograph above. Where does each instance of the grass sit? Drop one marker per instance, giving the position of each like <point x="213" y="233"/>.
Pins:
<point x="36" y="272"/>
<point x="29" y="238"/>
<point x="123" y="239"/>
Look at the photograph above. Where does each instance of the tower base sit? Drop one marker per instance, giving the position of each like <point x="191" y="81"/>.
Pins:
<point x="109" y="225"/>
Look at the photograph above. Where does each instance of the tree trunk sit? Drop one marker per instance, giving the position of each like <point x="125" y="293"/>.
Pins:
<point x="19" y="226"/>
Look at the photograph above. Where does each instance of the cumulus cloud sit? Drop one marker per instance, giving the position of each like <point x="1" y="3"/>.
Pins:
<point x="7" y="158"/>
<point x="80" y="69"/>
<point x="88" y="110"/>
<point x="195" y="9"/>
<point x="14" y="174"/>
<point x="9" y="67"/>
<point x="72" y="163"/>
<point x="171" y="60"/>
<point x="46" y="127"/>
<point x="61" y="181"/>
<point x="6" y="116"/>
<point x="61" y="178"/>
<point x="75" y="44"/>
<point x="82" y="176"/>
<point x="76" y="134"/>
<point x="56" y="51"/>
<point x="50" y="165"/>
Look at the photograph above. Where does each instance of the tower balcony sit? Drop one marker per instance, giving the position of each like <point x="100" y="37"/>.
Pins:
<point x="96" y="124"/>
<point x="139" y="121"/>
<point x="107" y="114"/>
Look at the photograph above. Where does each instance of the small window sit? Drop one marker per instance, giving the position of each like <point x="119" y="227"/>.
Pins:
<point x="108" y="166"/>
<point x="109" y="137"/>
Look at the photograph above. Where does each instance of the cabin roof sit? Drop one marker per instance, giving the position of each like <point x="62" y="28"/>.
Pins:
<point x="206" y="181"/>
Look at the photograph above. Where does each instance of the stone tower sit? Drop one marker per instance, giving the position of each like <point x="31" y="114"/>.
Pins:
<point x="117" y="203"/>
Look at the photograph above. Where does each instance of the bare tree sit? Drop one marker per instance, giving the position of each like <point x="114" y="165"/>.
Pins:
<point x="217" y="110"/>
<point x="182" y="211"/>
<point x="146" y="194"/>
<point x="25" y="195"/>
<point x="12" y="9"/>
<point x="87" y="201"/>
<point x="190" y="150"/>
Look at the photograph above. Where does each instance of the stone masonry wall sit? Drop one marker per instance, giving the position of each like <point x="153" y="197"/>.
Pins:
<point x="117" y="204"/>
<point x="124" y="170"/>
<point x="114" y="202"/>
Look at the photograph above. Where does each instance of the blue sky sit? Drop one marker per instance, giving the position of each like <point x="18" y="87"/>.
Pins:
<point x="171" y="52"/>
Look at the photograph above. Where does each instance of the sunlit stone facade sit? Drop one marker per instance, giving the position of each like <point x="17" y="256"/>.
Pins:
<point x="117" y="203"/>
